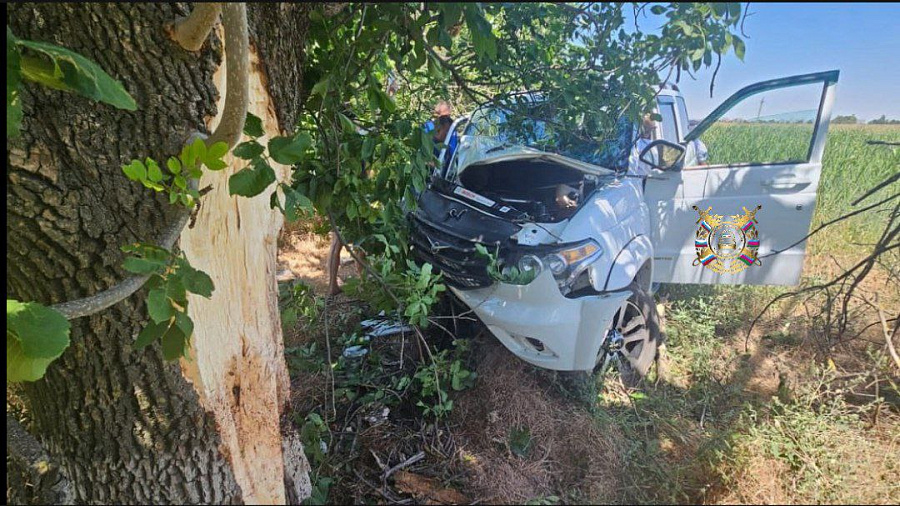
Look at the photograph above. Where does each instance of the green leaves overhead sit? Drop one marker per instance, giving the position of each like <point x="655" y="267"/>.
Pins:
<point x="35" y="336"/>
<point x="481" y="31"/>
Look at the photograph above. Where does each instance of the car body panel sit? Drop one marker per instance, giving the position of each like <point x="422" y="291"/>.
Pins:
<point x="570" y="330"/>
<point x="786" y="191"/>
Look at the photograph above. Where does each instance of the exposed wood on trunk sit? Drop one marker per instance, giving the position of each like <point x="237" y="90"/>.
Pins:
<point x="237" y="361"/>
<point x="125" y="426"/>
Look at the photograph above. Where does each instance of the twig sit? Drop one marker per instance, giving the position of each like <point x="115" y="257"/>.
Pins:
<point x="888" y="336"/>
<point x="406" y="463"/>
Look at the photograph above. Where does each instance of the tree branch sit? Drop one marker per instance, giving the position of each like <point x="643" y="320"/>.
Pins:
<point x="237" y="62"/>
<point x="192" y="31"/>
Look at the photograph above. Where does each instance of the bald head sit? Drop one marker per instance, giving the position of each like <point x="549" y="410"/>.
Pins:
<point x="442" y="108"/>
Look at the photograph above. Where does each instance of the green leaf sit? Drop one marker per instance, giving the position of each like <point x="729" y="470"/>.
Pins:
<point x="13" y="78"/>
<point x="253" y="126"/>
<point x="739" y="47"/>
<point x="321" y="87"/>
<point x="135" y="170"/>
<point x="216" y="151"/>
<point x="198" y="282"/>
<point x="657" y="9"/>
<point x="154" y="173"/>
<point x="173" y="343"/>
<point x="158" y="305"/>
<point x="184" y="323"/>
<point x="346" y="125"/>
<point x="41" y="331"/>
<point x="289" y="150"/>
<point x="176" y="290"/>
<point x="482" y="37"/>
<point x="20" y="367"/>
<point x="368" y="148"/>
<point x="73" y="72"/>
<point x="214" y="154"/>
<point x="150" y="333"/>
<point x="248" y="150"/>
<point x="174" y="165"/>
<point x="143" y="265"/>
<point x="295" y="203"/>
<point x="251" y="181"/>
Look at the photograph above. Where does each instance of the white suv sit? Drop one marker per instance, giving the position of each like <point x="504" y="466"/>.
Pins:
<point x="579" y="233"/>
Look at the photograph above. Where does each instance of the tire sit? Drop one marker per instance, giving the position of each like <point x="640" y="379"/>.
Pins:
<point x="638" y="323"/>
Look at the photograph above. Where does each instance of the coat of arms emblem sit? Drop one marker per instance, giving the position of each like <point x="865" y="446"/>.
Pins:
<point x="727" y="245"/>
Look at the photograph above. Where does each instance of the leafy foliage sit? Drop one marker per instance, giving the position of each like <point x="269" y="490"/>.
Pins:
<point x="299" y="301"/>
<point x="35" y="336"/>
<point x="510" y="274"/>
<point x="259" y="175"/>
<point x="58" y="68"/>
<point x="179" y="171"/>
<point x="171" y="278"/>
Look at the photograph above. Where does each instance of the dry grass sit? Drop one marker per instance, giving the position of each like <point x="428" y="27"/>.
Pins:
<point x="569" y="450"/>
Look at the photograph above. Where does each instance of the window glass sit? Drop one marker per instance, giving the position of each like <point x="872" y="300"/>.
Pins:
<point x="669" y="131"/>
<point x="775" y="126"/>
<point x="682" y="116"/>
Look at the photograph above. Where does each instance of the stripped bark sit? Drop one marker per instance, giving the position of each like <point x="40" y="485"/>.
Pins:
<point x="125" y="426"/>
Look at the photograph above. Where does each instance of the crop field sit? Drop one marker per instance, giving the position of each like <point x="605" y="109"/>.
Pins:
<point x="781" y="416"/>
<point x="850" y="166"/>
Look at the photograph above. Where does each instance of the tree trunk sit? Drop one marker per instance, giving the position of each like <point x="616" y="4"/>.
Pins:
<point x="125" y="426"/>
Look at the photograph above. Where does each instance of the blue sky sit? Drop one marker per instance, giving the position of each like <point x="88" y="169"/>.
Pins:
<point x="861" y="40"/>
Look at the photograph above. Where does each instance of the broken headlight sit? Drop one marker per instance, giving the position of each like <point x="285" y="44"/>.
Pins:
<point x="570" y="260"/>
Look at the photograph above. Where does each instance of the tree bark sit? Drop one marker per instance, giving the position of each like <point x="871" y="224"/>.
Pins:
<point x="125" y="426"/>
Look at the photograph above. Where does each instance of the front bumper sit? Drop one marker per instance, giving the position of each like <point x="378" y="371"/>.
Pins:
<point x="542" y="327"/>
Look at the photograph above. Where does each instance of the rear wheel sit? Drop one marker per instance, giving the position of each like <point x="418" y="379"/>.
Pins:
<point x="633" y="337"/>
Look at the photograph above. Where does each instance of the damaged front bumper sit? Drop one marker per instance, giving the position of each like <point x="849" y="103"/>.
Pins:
<point x="541" y="326"/>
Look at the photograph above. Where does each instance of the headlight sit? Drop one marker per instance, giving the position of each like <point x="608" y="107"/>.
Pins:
<point x="529" y="263"/>
<point x="570" y="260"/>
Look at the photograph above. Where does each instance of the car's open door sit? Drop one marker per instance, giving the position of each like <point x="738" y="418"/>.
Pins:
<point x="764" y="146"/>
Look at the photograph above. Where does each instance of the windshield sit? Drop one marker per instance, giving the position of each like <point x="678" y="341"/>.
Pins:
<point x="533" y="125"/>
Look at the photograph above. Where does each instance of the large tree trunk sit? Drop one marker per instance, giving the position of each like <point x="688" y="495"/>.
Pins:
<point x="124" y="425"/>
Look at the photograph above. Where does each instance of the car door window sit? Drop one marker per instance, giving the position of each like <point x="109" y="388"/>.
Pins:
<point x="683" y="121"/>
<point x="776" y="126"/>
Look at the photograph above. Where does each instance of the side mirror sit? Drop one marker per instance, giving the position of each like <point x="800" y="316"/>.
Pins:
<point x="663" y="155"/>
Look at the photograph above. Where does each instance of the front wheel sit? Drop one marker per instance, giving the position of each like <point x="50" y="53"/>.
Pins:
<point x="633" y="337"/>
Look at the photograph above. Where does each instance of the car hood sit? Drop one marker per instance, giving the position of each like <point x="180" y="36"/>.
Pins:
<point x="479" y="150"/>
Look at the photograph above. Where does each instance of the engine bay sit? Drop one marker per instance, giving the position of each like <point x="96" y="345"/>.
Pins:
<point x="546" y="192"/>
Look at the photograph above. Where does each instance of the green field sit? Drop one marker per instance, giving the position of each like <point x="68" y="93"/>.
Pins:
<point x="850" y="167"/>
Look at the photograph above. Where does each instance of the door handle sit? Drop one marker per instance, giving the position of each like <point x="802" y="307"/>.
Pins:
<point x="783" y="183"/>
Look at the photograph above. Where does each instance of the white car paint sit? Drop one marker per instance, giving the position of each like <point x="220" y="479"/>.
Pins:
<point x="644" y="227"/>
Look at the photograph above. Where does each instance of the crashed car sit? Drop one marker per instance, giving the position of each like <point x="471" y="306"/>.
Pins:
<point x="576" y="238"/>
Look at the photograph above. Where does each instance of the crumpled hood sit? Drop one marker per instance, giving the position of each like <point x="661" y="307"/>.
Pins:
<point x="479" y="150"/>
